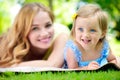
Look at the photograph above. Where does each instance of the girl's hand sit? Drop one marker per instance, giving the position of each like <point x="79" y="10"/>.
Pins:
<point x="93" y="65"/>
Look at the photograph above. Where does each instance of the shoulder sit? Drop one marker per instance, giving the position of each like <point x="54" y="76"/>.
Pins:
<point x="60" y="41"/>
<point x="61" y="37"/>
<point x="70" y="45"/>
<point x="60" y="30"/>
<point x="105" y="49"/>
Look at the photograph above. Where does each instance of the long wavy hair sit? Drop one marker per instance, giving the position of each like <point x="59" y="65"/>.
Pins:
<point x="14" y="44"/>
<point x="91" y="10"/>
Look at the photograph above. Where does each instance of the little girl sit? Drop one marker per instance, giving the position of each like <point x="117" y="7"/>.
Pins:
<point x="88" y="49"/>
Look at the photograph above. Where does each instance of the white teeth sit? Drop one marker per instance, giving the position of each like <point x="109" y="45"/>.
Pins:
<point x="86" y="41"/>
<point x="45" y="40"/>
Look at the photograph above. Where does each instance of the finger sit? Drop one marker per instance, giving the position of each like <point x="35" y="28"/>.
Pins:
<point x="94" y="62"/>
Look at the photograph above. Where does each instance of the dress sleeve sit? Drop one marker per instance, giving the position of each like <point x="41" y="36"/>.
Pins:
<point x="77" y="53"/>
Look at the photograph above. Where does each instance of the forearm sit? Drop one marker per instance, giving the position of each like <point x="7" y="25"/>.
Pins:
<point x="113" y="61"/>
<point x="91" y="66"/>
<point x="112" y="58"/>
<point x="40" y="63"/>
<point x="35" y="63"/>
<point x="87" y="68"/>
<point x="82" y="68"/>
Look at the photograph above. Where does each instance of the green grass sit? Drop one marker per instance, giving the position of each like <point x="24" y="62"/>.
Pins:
<point x="115" y="46"/>
<point x="101" y="75"/>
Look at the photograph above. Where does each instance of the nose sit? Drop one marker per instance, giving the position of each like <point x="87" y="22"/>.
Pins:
<point x="86" y="35"/>
<point x="43" y="33"/>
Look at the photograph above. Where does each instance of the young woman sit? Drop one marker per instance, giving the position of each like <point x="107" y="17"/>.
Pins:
<point x="30" y="41"/>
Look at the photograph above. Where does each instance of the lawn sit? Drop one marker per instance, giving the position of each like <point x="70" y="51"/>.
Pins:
<point x="83" y="75"/>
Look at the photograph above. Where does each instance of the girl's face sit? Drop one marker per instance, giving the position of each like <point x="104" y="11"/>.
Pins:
<point x="87" y="32"/>
<point x="41" y="33"/>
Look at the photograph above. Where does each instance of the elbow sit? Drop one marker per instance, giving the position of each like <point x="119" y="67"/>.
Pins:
<point x="113" y="61"/>
<point x="55" y="64"/>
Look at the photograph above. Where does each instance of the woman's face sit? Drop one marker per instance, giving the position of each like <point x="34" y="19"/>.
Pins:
<point x="42" y="32"/>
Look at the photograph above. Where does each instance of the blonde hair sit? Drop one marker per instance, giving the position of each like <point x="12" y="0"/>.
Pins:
<point x="90" y="10"/>
<point x="14" y="44"/>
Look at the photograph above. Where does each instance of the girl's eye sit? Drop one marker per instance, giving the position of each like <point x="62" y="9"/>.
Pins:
<point x="92" y="30"/>
<point x="81" y="29"/>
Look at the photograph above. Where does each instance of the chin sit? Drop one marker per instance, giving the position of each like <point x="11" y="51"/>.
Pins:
<point x="45" y="46"/>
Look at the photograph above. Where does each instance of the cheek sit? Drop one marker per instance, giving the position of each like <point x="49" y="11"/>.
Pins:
<point x="97" y="37"/>
<point x="77" y="36"/>
<point x="78" y="33"/>
<point x="31" y="37"/>
<point x="52" y="31"/>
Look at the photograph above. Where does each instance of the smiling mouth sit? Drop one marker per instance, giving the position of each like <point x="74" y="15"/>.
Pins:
<point x="86" y="41"/>
<point x="45" y="40"/>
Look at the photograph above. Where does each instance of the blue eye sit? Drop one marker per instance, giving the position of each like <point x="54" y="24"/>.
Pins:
<point x="92" y="30"/>
<point x="81" y="29"/>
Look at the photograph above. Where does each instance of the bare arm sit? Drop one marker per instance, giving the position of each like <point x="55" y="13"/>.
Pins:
<point x="70" y="59"/>
<point x="92" y="66"/>
<point x="111" y="58"/>
<point x="34" y="63"/>
<point x="72" y="63"/>
<point x="56" y="58"/>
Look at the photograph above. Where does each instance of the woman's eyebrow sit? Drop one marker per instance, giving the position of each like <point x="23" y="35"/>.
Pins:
<point x="34" y="24"/>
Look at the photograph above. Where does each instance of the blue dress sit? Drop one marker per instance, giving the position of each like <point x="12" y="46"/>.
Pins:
<point x="102" y="60"/>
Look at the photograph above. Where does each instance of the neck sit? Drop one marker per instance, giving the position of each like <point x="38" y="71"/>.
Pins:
<point x="38" y="52"/>
<point x="35" y="54"/>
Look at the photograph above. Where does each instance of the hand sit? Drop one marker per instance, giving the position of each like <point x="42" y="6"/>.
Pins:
<point x="93" y="65"/>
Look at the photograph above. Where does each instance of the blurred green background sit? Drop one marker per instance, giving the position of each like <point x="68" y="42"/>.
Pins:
<point x="63" y="10"/>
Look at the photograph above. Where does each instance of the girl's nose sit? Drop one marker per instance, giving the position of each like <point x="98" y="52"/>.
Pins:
<point x="86" y="35"/>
